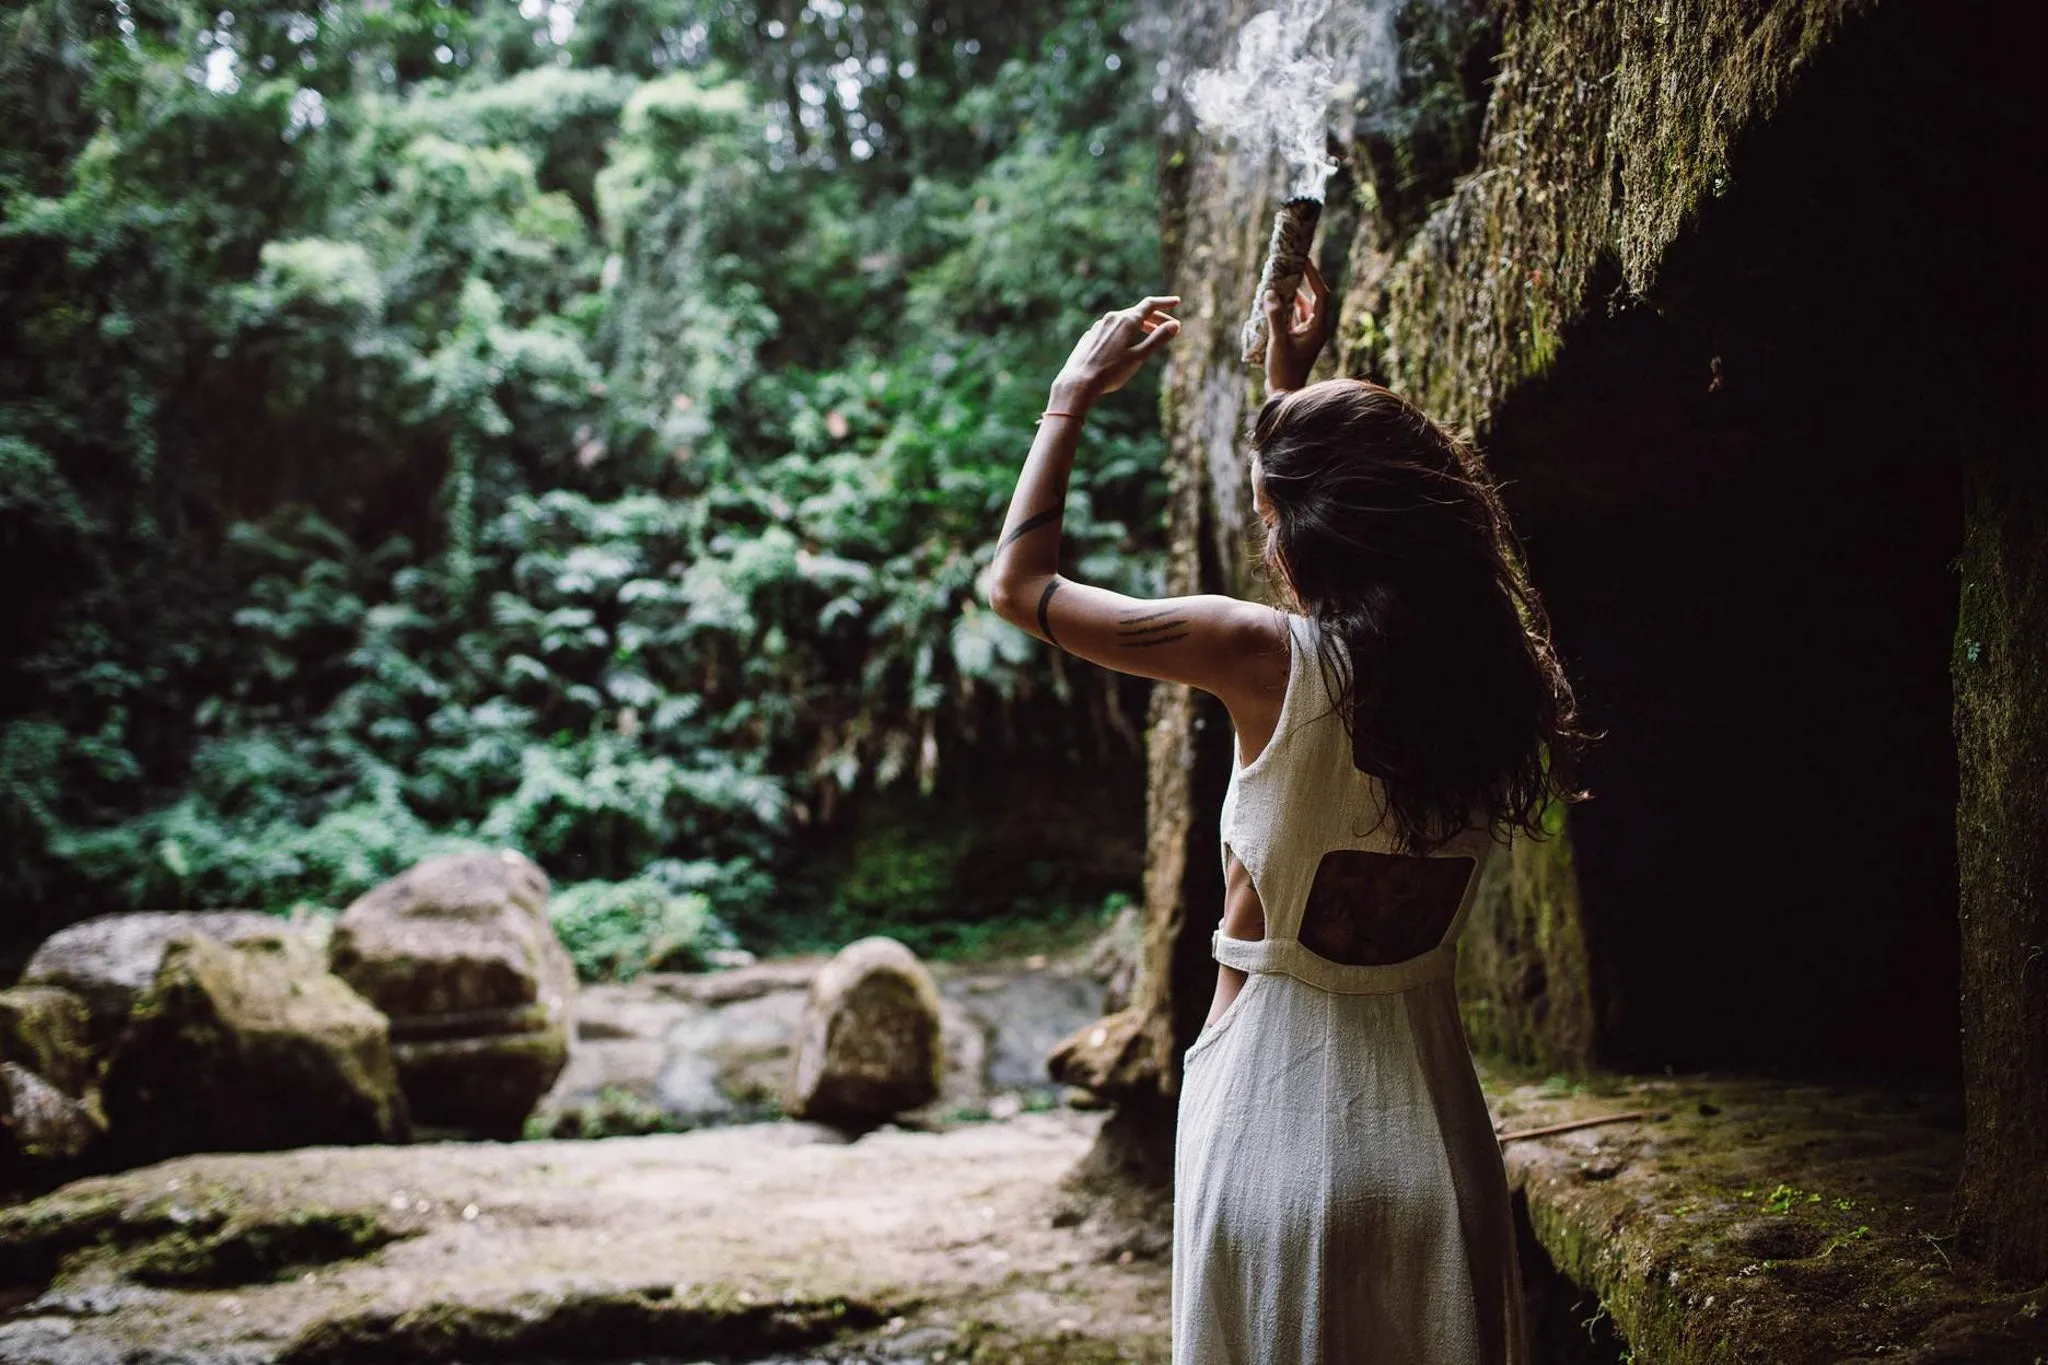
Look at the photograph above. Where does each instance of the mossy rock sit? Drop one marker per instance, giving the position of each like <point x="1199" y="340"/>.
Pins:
<point x="46" y="1030"/>
<point x="462" y="934"/>
<point x="251" y="1048"/>
<point x="195" y="1239"/>
<point x="695" y="1323"/>
<point x="480" y="1087"/>
<point x="459" y="954"/>
<point x="870" y="1043"/>
<point x="251" y="1252"/>
<point x="109" y="961"/>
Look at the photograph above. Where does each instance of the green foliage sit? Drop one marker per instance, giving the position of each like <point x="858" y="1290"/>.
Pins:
<point x="904" y="879"/>
<point x="423" y="430"/>
<point x="614" y="1112"/>
<point x="616" y="930"/>
<point x="917" y="879"/>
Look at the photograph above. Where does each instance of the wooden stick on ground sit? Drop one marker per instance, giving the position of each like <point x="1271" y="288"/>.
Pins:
<point x="1550" y="1128"/>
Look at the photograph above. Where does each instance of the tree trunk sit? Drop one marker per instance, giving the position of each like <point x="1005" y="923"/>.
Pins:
<point x="2000" y="667"/>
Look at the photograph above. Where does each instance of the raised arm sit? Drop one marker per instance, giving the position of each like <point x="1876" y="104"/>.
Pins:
<point x="1220" y="644"/>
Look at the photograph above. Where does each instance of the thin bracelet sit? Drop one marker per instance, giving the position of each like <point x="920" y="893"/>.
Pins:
<point x="1050" y="413"/>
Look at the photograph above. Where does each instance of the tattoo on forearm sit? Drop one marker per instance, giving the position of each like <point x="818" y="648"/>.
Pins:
<point x="1045" y="601"/>
<point x="1027" y="526"/>
<point x="1147" y="629"/>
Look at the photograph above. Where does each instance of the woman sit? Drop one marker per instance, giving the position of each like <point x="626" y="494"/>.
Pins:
<point x="1339" y="1194"/>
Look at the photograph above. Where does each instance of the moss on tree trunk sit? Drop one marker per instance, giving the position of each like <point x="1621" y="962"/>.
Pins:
<point x="2000" y="668"/>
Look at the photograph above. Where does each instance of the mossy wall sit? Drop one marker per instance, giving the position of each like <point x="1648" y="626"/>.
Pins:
<point x="1522" y="968"/>
<point x="1710" y="286"/>
<point x="1608" y="127"/>
<point x="1456" y="302"/>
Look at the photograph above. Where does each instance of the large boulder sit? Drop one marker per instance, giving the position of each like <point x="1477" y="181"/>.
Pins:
<point x="869" y="1046"/>
<point x="46" y="1030"/>
<point x="459" y="954"/>
<point x="110" y="960"/>
<point x="250" y="1047"/>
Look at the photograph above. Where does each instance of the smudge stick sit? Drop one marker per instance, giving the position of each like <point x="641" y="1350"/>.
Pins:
<point x="1294" y="227"/>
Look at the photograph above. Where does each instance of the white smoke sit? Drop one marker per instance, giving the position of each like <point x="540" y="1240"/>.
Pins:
<point x="1275" y="95"/>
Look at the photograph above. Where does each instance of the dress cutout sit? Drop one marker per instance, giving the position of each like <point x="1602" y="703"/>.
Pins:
<point x="1339" y="1197"/>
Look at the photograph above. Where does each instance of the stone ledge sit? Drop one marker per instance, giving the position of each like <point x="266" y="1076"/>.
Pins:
<point x="1749" y="1219"/>
<point x="733" y="1243"/>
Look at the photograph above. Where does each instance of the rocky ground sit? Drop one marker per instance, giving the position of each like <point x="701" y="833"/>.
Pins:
<point x="1732" y="1219"/>
<point x="771" y="1241"/>
<point x="942" y="1237"/>
<point x="1727" y="1219"/>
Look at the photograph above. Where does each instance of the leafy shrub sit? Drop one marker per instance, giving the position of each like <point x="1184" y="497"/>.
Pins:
<point x="442" y="433"/>
<point x="616" y="930"/>
<point x="613" y="1112"/>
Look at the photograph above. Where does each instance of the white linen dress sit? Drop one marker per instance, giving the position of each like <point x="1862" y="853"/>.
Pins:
<point x="1339" y="1195"/>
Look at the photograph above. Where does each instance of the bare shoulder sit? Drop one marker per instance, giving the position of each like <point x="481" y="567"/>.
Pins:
<point x="1258" y="650"/>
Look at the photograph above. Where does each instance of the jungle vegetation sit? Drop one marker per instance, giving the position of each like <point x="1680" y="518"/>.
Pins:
<point x="574" y="427"/>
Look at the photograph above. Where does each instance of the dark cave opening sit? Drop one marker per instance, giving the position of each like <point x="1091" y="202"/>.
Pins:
<point x="1741" y="502"/>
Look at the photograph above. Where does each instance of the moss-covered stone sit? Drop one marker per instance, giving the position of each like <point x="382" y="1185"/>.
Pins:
<point x="45" y="1029"/>
<point x="250" y="1048"/>
<point x="459" y="954"/>
<point x="1742" y="1220"/>
<point x="684" y="1322"/>
<point x="36" y="1237"/>
<point x="1523" y="979"/>
<point x="869" y="1044"/>
<point x="480" y="1087"/>
<point x="1749" y="1220"/>
<point x="253" y="1251"/>
<point x="200" y="1237"/>
<point x="462" y="934"/>
<point x="732" y="1243"/>
<point x="1110" y="1057"/>
<point x="1607" y="129"/>
<point x="108" y="961"/>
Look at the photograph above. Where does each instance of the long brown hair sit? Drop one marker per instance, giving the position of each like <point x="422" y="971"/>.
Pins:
<point x="1391" y="535"/>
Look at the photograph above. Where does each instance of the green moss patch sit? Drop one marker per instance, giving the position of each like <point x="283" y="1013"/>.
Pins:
<point x="195" y="1240"/>
<point x="1748" y="1219"/>
<point x="258" y="1250"/>
<point x="689" y="1322"/>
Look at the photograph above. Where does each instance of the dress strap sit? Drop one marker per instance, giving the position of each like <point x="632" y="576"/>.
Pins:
<point x="1291" y="957"/>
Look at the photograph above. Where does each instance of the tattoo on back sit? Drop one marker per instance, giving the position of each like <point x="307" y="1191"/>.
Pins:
<point x="1143" y="630"/>
<point x="1369" y="909"/>
<point x="1044" y="602"/>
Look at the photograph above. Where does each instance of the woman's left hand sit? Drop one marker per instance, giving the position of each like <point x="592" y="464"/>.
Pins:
<point x="1112" y="350"/>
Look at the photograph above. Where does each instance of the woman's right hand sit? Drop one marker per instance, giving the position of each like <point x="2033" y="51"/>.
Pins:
<point x="1110" y="351"/>
<point x="1294" y="337"/>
